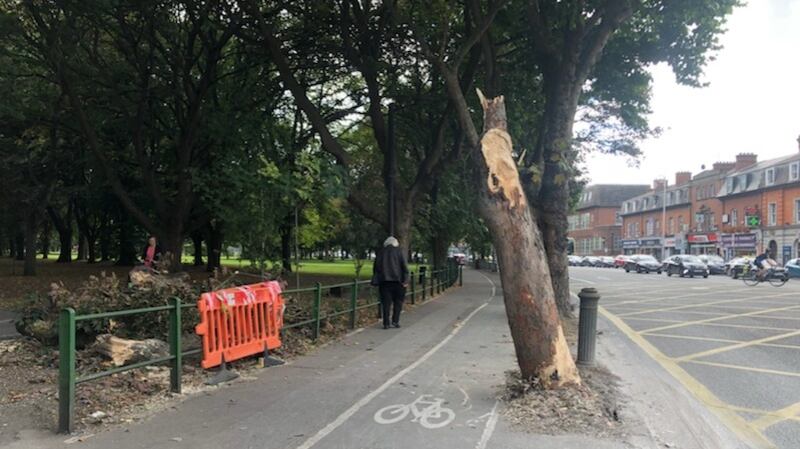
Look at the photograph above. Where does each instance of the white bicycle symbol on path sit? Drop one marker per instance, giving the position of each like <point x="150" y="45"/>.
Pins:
<point x="429" y="413"/>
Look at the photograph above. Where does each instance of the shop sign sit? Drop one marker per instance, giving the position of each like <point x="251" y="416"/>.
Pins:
<point x="745" y="240"/>
<point x="650" y="242"/>
<point x="669" y="242"/>
<point x="703" y="238"/>
<point x="630" y="244"/>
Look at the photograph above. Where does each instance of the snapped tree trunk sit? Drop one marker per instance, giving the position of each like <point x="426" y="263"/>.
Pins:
<point x="539" y="342"/>
<point x="30" y="244"/>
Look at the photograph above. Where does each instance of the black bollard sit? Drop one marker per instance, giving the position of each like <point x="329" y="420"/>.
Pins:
<point x="587" y="326"/>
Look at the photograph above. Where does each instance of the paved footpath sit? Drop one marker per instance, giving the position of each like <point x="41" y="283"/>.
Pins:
<point x="432" y="384"/>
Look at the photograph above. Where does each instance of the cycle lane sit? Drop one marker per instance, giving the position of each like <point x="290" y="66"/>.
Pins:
<point x="449" y="400"/>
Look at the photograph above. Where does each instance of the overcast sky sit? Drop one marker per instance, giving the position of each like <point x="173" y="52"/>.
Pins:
<point x="751" y="104"/>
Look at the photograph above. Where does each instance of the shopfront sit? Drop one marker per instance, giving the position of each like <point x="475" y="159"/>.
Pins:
<point x="652" y="246"/>
<point x="740" y="244"/>
<point x="703" y="243"/>
<point x="630" y="246"/>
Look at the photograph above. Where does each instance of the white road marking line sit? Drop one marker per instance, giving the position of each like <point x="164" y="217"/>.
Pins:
<point x="581" y="280"/>
<point x="489" y="429"/>
<point x="466" y="396"/>
<point x="347" y="414"/>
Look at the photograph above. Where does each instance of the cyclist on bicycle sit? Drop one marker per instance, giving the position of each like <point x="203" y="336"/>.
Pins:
<point x="764" y="263"/>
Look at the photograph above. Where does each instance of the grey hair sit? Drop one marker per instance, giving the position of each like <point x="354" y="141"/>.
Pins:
<point x="391" y="241"/>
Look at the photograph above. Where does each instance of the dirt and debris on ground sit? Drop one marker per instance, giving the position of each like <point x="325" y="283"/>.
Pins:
<point x="29" y="379"/>
<point x="588" y="409"/>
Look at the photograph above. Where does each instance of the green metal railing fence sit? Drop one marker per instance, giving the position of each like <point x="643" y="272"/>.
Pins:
<point x="421" y="286"/>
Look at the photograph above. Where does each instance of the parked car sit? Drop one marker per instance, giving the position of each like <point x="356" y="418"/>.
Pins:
<point x="574" y="261"/>
<point x="590" y="261"/>
<point x="620" y="260"/>
<point x="685" y="265"/>
<point x="642" y="263"/>
<point x="606" y="262"/>
<point x="715" y="264"/>
<point x="735" y="266"/>
<point x="793" y="268"/>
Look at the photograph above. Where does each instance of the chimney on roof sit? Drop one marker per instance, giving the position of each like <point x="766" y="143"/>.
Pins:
<point x="683" y="177"/>
<point x="659" y="184"/>
<point x="744" y="160"/>
<point x="724" y="166"/>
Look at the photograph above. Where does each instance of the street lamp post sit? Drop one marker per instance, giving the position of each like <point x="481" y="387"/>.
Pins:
<point x="664" y="220"/>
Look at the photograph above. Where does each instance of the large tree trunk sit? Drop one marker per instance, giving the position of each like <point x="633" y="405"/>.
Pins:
<point x="64" y="229"/>
<point x="30" y="244"/>
<point x="172" y="250"/>
<point x="553" y="204"/>
<point x="542" y="351"/>
<point x="214" y="246"/>
<point x="45" y="239"/>
<point x="105" y="243"/>
<point x="82" y="250"/>
<point x="197" y="246"/>
<point x="128" y="255"/>
<point x="20" y="245"/>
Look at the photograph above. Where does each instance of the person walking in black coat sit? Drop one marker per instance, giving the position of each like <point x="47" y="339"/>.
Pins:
<point x="390" y="273"/>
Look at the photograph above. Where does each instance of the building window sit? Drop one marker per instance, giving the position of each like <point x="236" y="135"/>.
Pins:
<point x="636" y="230"/>
<point x="669" y="199"/>
<point x="797" y="211"/>
<point x="680" y="223"/>
<point x="617" y="218"/>
<point x="770" y="176"/>
<point x="712" y="223"/>
<point x="670" y="226"/>
<point x="794" y="171"/>
<point x="772" y="214"/>
<point x="734" y="218"/>
<point x="729" y="185"/>
<point x="648" y="228"/>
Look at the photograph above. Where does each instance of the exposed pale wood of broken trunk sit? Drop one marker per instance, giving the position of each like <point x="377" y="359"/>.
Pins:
<point x="539" y="341"/>
<point x="122" y="351"/>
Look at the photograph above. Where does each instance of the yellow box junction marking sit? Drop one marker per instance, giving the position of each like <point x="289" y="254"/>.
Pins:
<point x="723" y="410"/>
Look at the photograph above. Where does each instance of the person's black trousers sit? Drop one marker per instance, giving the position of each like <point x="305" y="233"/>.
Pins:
<point x="392" y="294"/>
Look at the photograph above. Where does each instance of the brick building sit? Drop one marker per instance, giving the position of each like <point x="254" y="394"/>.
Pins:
<point x="761" y="203"/>
<point x="664" y="205"/>
<point x="596" y="227"/>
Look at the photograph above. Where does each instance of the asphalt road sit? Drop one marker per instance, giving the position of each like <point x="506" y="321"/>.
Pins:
<point x="735" y="348"/>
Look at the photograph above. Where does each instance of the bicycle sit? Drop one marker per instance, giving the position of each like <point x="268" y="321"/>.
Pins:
<point x="428" y="413"/>
<point x="776" y="277"/>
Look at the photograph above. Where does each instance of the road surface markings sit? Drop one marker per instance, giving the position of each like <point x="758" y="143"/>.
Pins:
<point x="489" y="429"/>
<point x="582" y="280"/>
<point x="745" y="368"/>
<point x="688" y="306"/>
<point x="772" y="418"/>
<point x="715" y="319"/>
<point x="740" y="345"/>
<point x="722" y="409"/>
<point x="361" y="403"/>
<point x="425" y="410"/>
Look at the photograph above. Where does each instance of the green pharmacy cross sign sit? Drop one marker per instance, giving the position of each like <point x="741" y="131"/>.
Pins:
<point x="753" y="221"/>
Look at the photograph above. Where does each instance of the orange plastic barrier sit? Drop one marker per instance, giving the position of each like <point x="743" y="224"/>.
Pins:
<point x="239" y="322"/>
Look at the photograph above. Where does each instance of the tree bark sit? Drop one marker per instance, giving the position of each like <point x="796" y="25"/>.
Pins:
<point x="128" y="256"/>
<point x="45" y="240"/>
<point x="31" y="235"/>
<point x="214" y="246"/>
<point x="82" y="250"/>
<point x="541" y="348"/>
<point x="105" y="241"/>
<point x="20" y="245"/>
<point x="197" y="243"/>
<point x="64" y="229"/>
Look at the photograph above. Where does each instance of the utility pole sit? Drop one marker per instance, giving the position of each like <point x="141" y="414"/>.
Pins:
<point x="664" y="221"/>
<point x="391" y="169"/>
